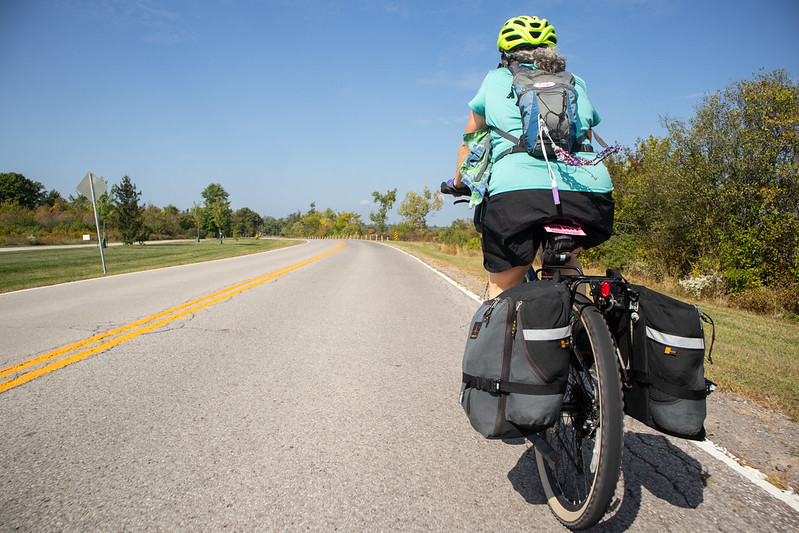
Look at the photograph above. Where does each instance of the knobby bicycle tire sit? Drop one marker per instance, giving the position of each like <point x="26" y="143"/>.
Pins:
<point x="587" y="440"/>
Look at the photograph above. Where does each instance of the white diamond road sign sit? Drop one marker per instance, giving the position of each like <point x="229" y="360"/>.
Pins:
<point x="85" y="187"/>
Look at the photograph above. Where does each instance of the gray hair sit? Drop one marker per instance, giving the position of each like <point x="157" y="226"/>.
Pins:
<point x="544" y="58"/>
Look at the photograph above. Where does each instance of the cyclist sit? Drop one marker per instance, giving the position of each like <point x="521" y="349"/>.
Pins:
<point x="519" y="198"/>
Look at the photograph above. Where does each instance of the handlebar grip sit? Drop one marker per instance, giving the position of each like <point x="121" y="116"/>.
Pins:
<point x="450" y="188"/>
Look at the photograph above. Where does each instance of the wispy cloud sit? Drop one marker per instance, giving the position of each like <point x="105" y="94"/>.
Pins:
<point x="398" y="8"/>
<point x="155" y="22"/>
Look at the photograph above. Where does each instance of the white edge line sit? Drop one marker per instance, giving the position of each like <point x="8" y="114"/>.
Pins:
<point x="448" y="279"/>
<point x="752" y="474"/>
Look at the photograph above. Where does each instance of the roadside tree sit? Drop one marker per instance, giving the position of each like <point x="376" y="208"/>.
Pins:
<point x="216" y="210"/>
<point x="415" y="208"/>
<point x="348" y="223"/>
<point x="386" y="202"/>
<point x="247" y="222"/>
<point x="198" y="216"/>
<point x="127" y="215"/>
<point x="52" y="196"/>
<point x="17" y="189"/>
<point x="272" y="225"/>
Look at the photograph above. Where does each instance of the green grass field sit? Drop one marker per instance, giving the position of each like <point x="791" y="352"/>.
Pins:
<point x="755" y="356"/>
<point x="22" y="269"/>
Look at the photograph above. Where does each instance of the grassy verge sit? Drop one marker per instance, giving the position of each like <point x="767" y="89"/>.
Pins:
<point x="755" y="356"/>
<point x="467" y="262"/>
<point x="21" y="269"/>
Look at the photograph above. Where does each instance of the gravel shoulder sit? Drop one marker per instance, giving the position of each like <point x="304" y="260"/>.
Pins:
<point x="764" y="440"/>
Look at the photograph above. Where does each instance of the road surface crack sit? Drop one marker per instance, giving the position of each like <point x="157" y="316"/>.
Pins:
<point x="682" y="473"/>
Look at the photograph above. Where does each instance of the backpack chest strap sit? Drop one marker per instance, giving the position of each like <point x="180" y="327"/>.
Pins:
<point x="583" y="144"/>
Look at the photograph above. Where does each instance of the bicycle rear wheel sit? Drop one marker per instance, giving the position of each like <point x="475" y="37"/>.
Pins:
<point x="580" y="474"/>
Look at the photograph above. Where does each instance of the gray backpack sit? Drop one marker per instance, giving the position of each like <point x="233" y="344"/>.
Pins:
<point x="517" y="360"/>
<point x="548" y="105"/>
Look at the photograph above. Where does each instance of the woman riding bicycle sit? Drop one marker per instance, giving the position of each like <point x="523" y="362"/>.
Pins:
<point x="519" y="199"/>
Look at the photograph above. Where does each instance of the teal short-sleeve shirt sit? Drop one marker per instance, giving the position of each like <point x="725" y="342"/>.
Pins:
<point x="521" y="171"/>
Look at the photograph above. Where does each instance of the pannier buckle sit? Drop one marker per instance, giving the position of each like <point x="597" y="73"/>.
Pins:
<point x="489" y="385"/>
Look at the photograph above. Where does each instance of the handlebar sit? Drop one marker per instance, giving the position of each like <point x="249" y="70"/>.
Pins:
<point x="448" y="187"/>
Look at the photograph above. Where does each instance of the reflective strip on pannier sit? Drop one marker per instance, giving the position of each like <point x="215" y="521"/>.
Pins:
<point x="688" y="343"/>
<point x="546" y="334"/>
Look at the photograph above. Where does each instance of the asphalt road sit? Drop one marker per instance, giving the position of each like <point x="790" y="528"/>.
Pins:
<point x="321" y="396"/>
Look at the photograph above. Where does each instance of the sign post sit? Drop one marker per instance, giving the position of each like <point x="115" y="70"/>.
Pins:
<point x="94" y="187"/>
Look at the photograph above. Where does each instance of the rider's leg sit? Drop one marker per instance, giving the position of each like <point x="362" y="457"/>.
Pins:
<point x="573" y="262"/>
<point x="502" y="281"/>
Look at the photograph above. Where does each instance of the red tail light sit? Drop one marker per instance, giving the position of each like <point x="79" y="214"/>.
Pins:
<point x="604" y="290"/>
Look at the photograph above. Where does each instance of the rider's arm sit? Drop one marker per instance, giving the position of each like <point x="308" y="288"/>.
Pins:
<point x="587" y="117"/>
<point x="476" y="122"/>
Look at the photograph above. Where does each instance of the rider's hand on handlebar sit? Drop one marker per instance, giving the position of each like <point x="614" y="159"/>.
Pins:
<point x="449" y="187"/>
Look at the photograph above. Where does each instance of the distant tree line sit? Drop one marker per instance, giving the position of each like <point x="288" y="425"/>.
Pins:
<point x="29" y="214"/>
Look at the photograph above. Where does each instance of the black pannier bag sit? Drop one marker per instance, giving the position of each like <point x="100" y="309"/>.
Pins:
<point x="663" y="341"/>
<point x="517" y="359"/>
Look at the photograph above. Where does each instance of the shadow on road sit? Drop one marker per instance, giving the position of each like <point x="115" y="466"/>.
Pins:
<point x="649" y="462"/>
<point x="524" y="477"/>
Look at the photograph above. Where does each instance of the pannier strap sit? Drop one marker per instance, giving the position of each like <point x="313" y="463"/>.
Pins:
<point x="707" y="320"/>
<point x="507" y="387"/>
<point x="671" y="390"/>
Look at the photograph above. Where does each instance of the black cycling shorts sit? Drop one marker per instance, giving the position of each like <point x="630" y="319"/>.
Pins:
<point x="512" y="223"/>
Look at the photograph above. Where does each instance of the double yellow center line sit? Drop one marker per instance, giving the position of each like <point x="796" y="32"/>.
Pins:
<point x="48" y="362"/>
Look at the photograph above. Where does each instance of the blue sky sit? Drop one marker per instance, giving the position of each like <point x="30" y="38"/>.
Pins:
<point x="286" y="103"/>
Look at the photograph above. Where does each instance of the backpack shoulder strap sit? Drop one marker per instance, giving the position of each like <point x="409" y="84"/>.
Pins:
<point x="515" y="68"/>
<point x="505" y="134"/>
<point x="596" y="136"/>
<point x="583" y="143"/>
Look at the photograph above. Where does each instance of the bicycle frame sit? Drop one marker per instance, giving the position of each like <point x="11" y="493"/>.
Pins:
<point x="608" y="294"/>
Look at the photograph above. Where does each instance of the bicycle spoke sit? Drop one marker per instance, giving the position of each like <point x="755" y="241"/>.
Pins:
<point x="580" y="486"/>
<point x="564" y="446"/>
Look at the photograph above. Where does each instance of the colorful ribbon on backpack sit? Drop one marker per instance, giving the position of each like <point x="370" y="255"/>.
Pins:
<point x="573" y="160"/>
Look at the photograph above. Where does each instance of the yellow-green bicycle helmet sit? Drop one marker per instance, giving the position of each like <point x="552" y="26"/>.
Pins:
<point x="526" y="30"/>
